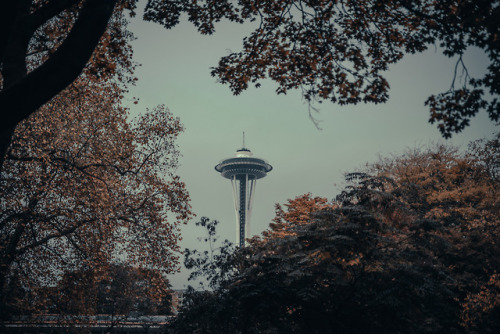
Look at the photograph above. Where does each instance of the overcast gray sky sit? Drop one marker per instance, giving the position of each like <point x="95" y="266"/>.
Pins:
<point x="175" y="71"/>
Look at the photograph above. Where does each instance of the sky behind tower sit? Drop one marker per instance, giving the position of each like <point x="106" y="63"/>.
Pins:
<point x="175" y="71"/>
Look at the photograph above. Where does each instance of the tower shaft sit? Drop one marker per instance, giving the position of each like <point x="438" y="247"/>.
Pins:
<point x="243" y="190"/>
<point x="243" y="211"/>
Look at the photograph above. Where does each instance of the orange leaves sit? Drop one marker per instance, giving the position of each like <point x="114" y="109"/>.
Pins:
<point x="307" y="44"/>
<point x="479" y="309"/>
<point x="86" y="186"/>
<point x="450" y="186"/>
<point x="298" y="212"/>
<point x="117" y="289"/>
<point x="302" y="50"/>
<point x="453" y="109"/>
<point x="319" y="256"/>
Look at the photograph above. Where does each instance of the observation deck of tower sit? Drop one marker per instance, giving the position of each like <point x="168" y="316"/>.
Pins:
<point x="243" y="170"/>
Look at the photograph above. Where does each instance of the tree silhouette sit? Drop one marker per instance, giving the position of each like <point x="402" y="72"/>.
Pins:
<point x="339" y="50"/>
<point x="44" y="46"/>
<point x="331" y="50"/>
<point x="82" y="185"/>
<point x="121" y="290"/>
<point x="411" y="245"/>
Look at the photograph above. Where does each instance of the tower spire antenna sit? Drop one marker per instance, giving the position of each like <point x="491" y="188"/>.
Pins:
<point x="244" y="139"/>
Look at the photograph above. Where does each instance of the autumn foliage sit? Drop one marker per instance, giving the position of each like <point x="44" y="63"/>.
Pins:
<point x="330" y="50"/>
<point x="83" y="186"/>
<point x="296" y="212"/>
<point x="121" y="291"/>
<point x="409" y="246"/>
<point x="339" y="51"/>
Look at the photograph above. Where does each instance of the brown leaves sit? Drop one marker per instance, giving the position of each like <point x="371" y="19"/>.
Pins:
<point x="339" y="51"/>
<point x="117" y="290"/>
<point x="83" y="186"/>
<point x="298" y="212"/>
<point x="321" y="47"/>
<point x="481" y="309"/>
<point x="457" y="196"/>
<point x="452" y="110"/>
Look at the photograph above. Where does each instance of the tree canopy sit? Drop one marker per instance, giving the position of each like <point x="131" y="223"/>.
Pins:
<point x="410" y="245"/>
<point x="339" y="50"/>
<point x="45" y="45"/>
<point x="120" y="291"/>
<point x="331" y="50"/>
<point x="83" y="186"/>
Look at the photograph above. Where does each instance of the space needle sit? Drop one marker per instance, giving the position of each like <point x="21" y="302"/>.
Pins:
<point x="243" y="170"/>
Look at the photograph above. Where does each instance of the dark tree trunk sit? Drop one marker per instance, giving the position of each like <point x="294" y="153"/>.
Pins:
<point x="24" y="93"/>
<point x="5" y="139"/>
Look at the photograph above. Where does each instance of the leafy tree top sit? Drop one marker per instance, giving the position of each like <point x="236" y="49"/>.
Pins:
<point x="331" y="50"/>
<point x="83" y="185"/>
<point x="411" y="245"/>
<point x="339" y="50"/>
